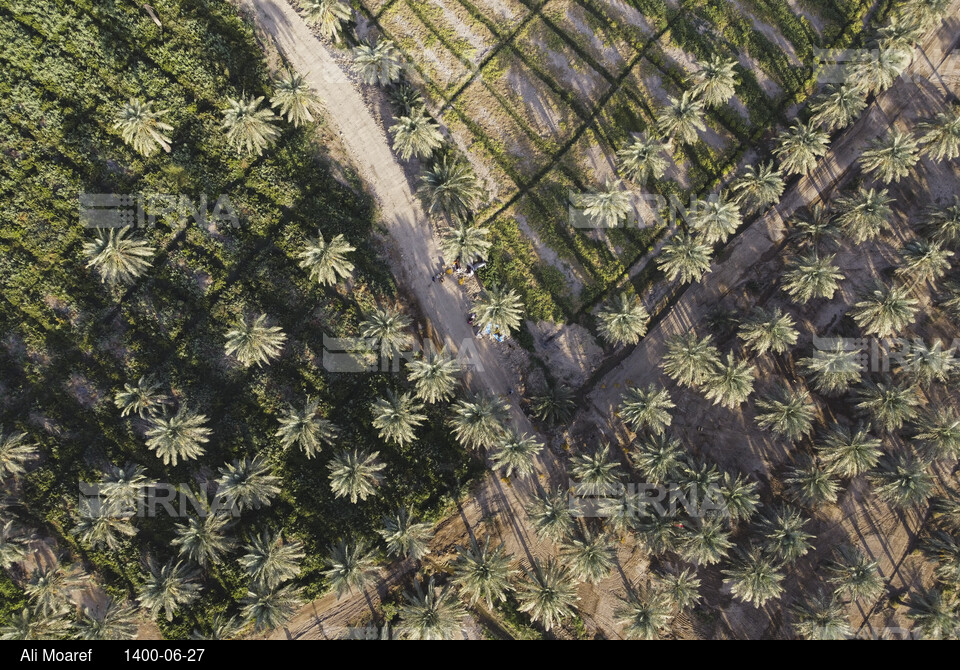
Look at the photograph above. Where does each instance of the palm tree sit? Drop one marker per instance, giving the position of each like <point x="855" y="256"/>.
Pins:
<point x="406" y="97"/>
<point x="168" y="587"/>
<point x="465" y="242"/>
<point x="350" y="567"/>
<point x="551" y="515"/>
<point x="515" y="454"/>
<point x="416" y="135"/>
<point x="221" y="627"/>
<point x="434" y="376"/>
<point x="685" y="258"/>
<point x="478" y="422"/>
<point x="900" y="33"/>
<point x="855" y="576"/>
<point x="938" y="434"/>
<point x="715" y="82"/>
<point x="381" y="63"/>
<point x="252" y="341"/>
<point x="270" y="608"/>
<point x="840" y="106"/>
<point x="248" y="483"/>
<point x="396" y="417"/>
<point x="388" y="327"/>
<point x="923" y="261"/>
<point x="812" y="277"/>
<point x="659" y="458"/>
<point x="327" y="261"/>
<point x="642" y="160"/>
<point x="270" y="561"/>
<point x="28" y="624"/>
<point x="682" y="119"/>
<point x="430" y="614"/>
<point x="547" y="594"/>
<point x="405" y="538"/>
<point x="644" y="613"/>
<point x="606" y="208"/>
<point x="647" y="409"/>
<point x="181" y="436"/>
<point x="295" y="99"/>
<point x="707" y="542"/>
<point x="98" y="528"/>
<point x="596" y="473"/>
<point x="821" y="617"/>
<point x="759" y="187"/>
<point x="355" y="473"/>
<point x="204" y="541"/>
<point x="812" y="484"/>
<point x="815" y="228"/>
<point x="328" y="16"/>
<point x="118" y="257"/>
<point x="15" y="452"/>
<point x="924" y="365"/>
<point x="248" y="127"/>
<point x="660" y="535"/>
<point x="122" y="488"/>
<point x="833" y="371"/>
<point x="892" y="157"/>
<point x="903" y="481"/>
<point x="935" y="613"/>
<point x="113" y="621"/>
<point x="876" y="70"/>
<point x="941" y="137"/>
<point x="306" y="428"/>
<point x="885" y="311"/>
<point x="890" y="405"/>
<point x="755" y="578"/>
<point x="924" y="13"/>
<point x="944" y="549"/>
<point x="689" y="360"/>
<point x="701" y="480"/>
<point x="716" y="219"/>
<point x="554" y="405"/>
<point x="49" y="587"/>
<point x="801" y="147"/>
<point x="789" y="413"/>
<point x="784" y="534"/>
<point x="140" y="127"/>
<point x="863" y="215"/>
<point x="625" y="321"/>
<point x="145" y="399"/>
<point x="499" y="308"/>
<point x="769" y="331"/>
<point x="729" y="384"/>
<point x="619" y="513"/>
<point x="740" y="497"/>
<point x="681" y="586"/>
<point x="849" y="453"/>
<point x="450" y="187"/>
<point x="944" y="223"/>
<point x="483" y="573"/>
<point x="13" y="547"/>
<point x="590" y="558"/>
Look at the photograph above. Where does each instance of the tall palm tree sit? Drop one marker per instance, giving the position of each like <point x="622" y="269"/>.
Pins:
<point x="221" y="627"/>
<point x="596" y="473"/>
<point x="759" y="187"/>
<point x="590" y="558"/>
<point x="606" y="208"/>
<point x="434" y="376"/>
<point x="204" y="541"/>
<point x="117" y="256"/>
<point x="682" y="119"/>
<point x="833" y="371"/>
<point x="938" y="434"/>
<point x="849" y="453"/>
<point x="892" y="157"/>
<point x="821" y="617"/>
<point x="49" y="587"/>
<point x="863" y="215"/>
<point x="935" y="613"/>
<point x="885" y="311"/>
<point x="659" y="458"/>
<point x="380" y="63"/>
<point x="450" y="187"/>
<point x="903" y="481"/>
<point x="416" y="135"/>
<point x="350" y="567"/>
<point x="140" y="127"/>
<point x="690" y="360"/>
<point x="755" y="578"/>
<point x="144" y="398"/>
<point x="406" y="97"/>
<point x="716" y="81"/>
<point x="815" y="228"/>
<point x="784" y="536"/>
<point x="548" y="593"/>
<point x="941" y="136"/>
<point x="890" y="405"/>
<point x="478" y="422"/>
<point x="923" y="261"/>
<point x="179" y="437"/>
<point x="681" y="586"/>
<point x="15" y="452"/>
<point x="328" y="16"/>
<point x="684" y="257"/>
<point x="812" y="484"/>
<point x="389" y="328"/>
<point x="99" y="528"/>
<point x="900" y="33"/>
<point x="730" y="384"/>
<point x="306" y="428"/>
<point x="295" y="99"/>
<point x="925" y="365"/>
<point x="499" y="308"/>
<point x="840" y="106"/>
<point x="801" y="147"/>
<point x="431" y="613"/>
<point x="28" y="624"/>
<point x="396" y="417"/>
<point x="946" y="510"/>
<point x="660" y="535"/>
<point x="270" y="608"/>
<point x="855" y="576"/>
<point x="644" y="613"/>
<point x="944" y="549"/>
<point x="874" y="71"/>
<point x="810" y="277"/>
<point x="168" y="587"/>
<point x="789" y="413"/>
<point x="555" y="405"/>
<point x="466" y="242"/>
<point x="327" y="261"/>
<point x="625" y="321"/>
<point x="716" y="219"/>
<point x="943" y="222"/>
<point x="647" y="409"/>
<point x="642" y="160"/>
<point x="925" y="13"/>
<point x="269" y="561"/>
<point x="740" y="497"/>
<point x="515" y="454"/>
<point x="767" y="331"/>
<point x="706" y="542"/>
<point x="252" y="341"/>
<point x="405" y="537"/>
<point x="13" y="547"/>
<point x="115" y="620"/>
<point x="483" y="573"/>
<point x="248" y="483"/>
<point x="551" y="515"/>
<point x="355" y="474"/>
<point x="250" y="128"/>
